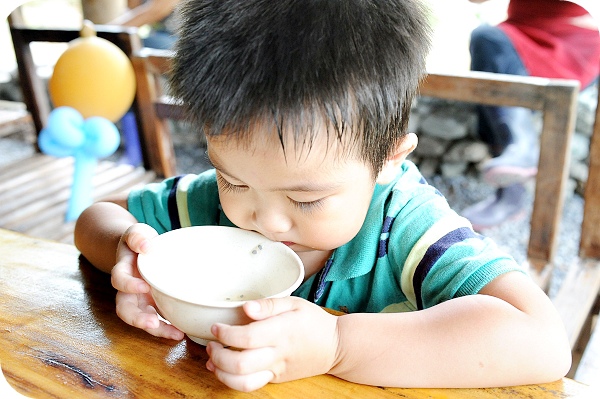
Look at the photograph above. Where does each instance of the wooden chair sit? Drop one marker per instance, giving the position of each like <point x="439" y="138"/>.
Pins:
<point x="34" y="191"/>
<point x="584" y="278"/>
<point x="156" y="108"/>
<point x="555" y="98"/>
<point x="576" y="299"/>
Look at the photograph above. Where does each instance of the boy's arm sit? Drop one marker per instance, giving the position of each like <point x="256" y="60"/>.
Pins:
<point x="99" y="229"/>
<point x="509" y="334"/>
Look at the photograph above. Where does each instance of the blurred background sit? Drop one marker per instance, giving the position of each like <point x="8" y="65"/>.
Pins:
<point x="453" y="21"/>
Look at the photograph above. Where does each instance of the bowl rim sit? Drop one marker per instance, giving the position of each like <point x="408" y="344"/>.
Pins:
<point x="224" y="303"/>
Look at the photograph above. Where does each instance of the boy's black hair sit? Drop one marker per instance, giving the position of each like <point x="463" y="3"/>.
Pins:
<point x="355" y="64"/>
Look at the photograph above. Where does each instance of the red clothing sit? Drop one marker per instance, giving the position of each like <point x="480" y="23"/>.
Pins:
<point x="549" y="45"/>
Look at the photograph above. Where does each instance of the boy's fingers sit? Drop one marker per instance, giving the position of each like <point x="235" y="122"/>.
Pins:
<point x="165" y="330"/>
<point x="138" y="313"/>
<point x="129" y="309"/>
<point x="138" y="236"/>
<point x="241" y="362"/>
<point x="264" y="308"/>
<point x="125" y="278"/>
<point x="264" y="332"/>
<point x="251" y="336"/>
<point x="245" y="383"/>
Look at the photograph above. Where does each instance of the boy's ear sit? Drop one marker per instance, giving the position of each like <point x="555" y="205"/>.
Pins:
<point x="390" y="168"/>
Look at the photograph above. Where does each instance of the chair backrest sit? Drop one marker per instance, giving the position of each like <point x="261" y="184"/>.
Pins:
<point x="557" y="100"/>
<point x="589" y="246"/>
<point x="35" y="94"/>
<point x="580" y="296"/>
<point x="156" y="108"/>
<point x="34" y="91"/>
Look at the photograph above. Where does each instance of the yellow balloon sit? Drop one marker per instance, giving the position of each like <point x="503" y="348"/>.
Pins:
<point x="93" y="76"/>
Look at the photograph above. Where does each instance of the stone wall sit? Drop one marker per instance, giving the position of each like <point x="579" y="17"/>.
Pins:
<point x="449" y="143"/>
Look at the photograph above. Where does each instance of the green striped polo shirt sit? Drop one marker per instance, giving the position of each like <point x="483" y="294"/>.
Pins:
<point x="411" y="253"/>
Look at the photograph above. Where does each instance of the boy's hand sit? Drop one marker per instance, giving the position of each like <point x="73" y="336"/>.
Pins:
<point x="135" y="304"/>
<point x="291" y="339"/>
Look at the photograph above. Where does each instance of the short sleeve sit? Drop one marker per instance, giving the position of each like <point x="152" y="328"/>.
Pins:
<point x="149" y="204"/>
<point x="440" y="255"/>
<point x="182" y="201"/>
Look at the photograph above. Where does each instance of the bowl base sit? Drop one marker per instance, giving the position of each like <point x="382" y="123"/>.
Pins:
<point x="198" y="340"/>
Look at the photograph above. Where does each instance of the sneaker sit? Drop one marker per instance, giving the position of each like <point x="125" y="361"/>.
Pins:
<point x="508" y="203"/>
<point x="504" y="176"/>
<point x="518" y="161"/>
<point x="514" y="166"/>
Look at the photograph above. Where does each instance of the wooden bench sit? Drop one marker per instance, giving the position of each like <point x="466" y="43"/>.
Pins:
<point x="34" y="193"/>
<point x="14" y="117"/>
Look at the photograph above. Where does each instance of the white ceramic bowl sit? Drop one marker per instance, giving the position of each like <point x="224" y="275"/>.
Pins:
<point x="203" y="275"/>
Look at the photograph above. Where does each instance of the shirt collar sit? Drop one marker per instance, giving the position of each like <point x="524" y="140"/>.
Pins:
<point x="358" y="256"/>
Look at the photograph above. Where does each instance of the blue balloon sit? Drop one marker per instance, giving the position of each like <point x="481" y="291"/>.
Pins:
<point x="82" y="187"/>
<point x="102" y="138"/>
<point x="68" y="134"/>
<point x="49" y="146"/>
<point x="64" y="125"/>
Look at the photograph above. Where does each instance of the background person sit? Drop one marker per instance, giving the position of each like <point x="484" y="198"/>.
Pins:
<point x="546" y="38"/>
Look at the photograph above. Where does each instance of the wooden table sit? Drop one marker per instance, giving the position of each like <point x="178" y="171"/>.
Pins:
<point x="60" y="338"/>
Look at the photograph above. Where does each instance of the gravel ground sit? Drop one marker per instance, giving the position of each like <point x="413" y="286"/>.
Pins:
<point x="460" y="192"/>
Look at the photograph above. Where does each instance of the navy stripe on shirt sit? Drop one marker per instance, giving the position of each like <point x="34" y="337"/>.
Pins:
<point x="319" y="284"/>
<point x="385" y="236"/>
<point x="433" y="253"/>
<point x="172" y="205"/>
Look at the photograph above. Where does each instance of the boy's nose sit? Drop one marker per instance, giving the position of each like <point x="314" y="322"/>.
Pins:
<point x="269" y="221"/>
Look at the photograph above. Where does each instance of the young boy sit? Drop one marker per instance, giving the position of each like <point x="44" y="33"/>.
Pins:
<point x="305" y="107"/>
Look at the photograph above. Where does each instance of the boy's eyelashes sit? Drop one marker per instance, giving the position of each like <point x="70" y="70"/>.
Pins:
<point x="309" y="206"/>
<point x="305" y="206"/>
<point x="227" y="186"/>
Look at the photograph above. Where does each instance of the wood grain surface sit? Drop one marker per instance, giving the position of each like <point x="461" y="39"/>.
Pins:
<point x="60" y="338"/>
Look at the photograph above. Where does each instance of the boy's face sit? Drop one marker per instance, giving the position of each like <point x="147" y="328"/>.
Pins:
<point x="309" y="199"/>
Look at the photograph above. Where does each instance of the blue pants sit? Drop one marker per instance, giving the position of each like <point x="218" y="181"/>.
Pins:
<point x="160" y="40"/>
<point x="492" y="51"/>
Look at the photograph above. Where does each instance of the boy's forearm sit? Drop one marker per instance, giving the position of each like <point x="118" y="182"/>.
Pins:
<point x="474" y="341"/>
<point x="98" y="231"/>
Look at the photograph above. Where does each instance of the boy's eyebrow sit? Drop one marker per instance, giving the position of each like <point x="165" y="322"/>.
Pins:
<point x="307" y="188"/>
<point x="215" y="164"/>
<point x="302" y="187"/>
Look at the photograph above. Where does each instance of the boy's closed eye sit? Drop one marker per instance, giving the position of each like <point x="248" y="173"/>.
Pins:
<point x="305" y="206"/>
<point x="308" y="206"/>
<point x="228" y="186"/>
